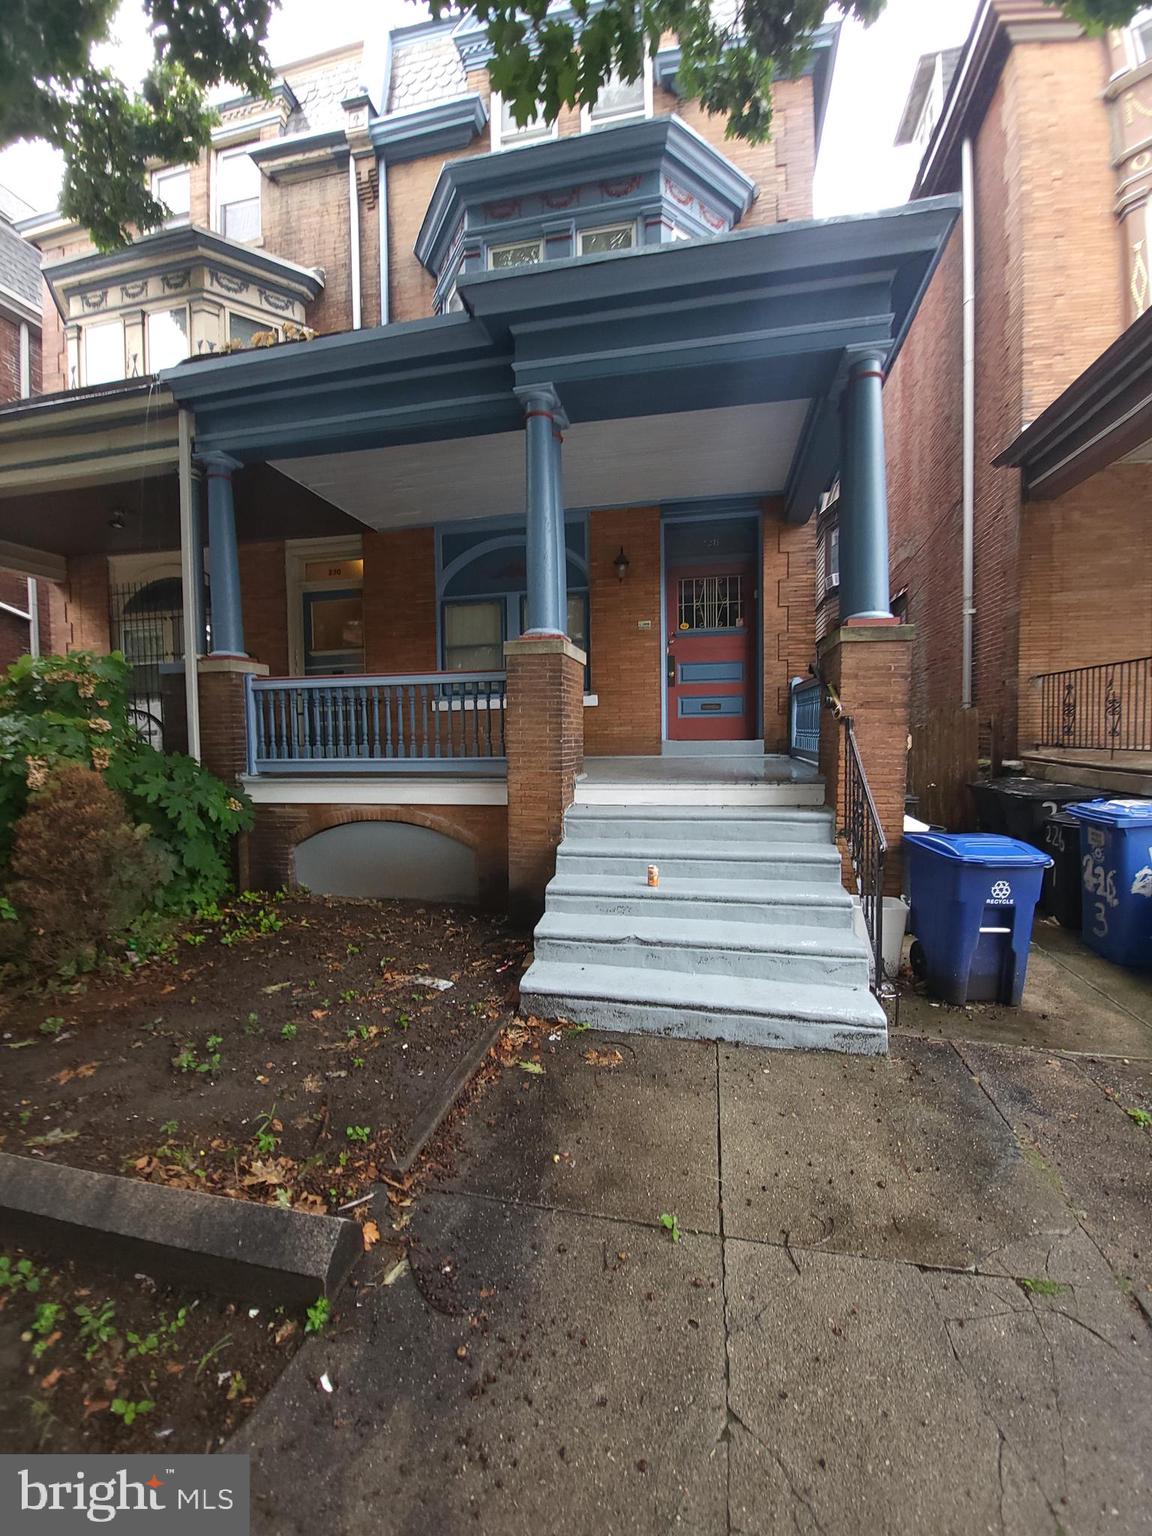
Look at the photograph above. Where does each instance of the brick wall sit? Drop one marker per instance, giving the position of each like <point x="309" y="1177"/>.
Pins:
<point x="279" y="828"/>
<point x="627" y="665"/>
<point x="53" y="348"/>
<point x="307" y="222"/>
<point x="1086" y="580"/>
<point x="1049" y="299"/>
<point x="788" y="615"/>
<point x="14" y="632"/>
<point x="264" y="603"/>
<point x="544" y="737"/>
<point x="10" y="359"/>
<point x="400" y="600"/>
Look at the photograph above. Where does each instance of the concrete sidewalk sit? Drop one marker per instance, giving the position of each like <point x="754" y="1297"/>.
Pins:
<point x="907" y="1298"/>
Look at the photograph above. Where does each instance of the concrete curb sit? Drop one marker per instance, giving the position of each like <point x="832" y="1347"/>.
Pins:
<point x="253" y="1252"/>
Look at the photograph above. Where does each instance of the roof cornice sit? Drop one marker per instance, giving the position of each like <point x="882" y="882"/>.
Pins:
<point x="19" y="308"/>
<point x="1101" y="417"/>
<point x="181" y="244"/>
<point x="432" y="130"/>
<point x="998" y="26"/>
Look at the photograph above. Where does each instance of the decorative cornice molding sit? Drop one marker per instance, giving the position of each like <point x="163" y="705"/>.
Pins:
<point x="171" y="254"/>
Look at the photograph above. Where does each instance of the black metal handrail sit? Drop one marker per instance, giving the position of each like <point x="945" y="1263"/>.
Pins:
<point x="1107" y="707"/>
<point x="867" y="848"/>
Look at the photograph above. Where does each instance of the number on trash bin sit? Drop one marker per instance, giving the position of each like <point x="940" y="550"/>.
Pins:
<point x="1100" y="881"/>
<point x="1100" y="926"/>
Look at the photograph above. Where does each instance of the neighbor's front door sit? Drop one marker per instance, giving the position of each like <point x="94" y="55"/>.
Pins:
<point x="711" y="661"/>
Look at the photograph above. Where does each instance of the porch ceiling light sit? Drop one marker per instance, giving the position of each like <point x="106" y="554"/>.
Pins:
<point x="621" y="563"/>
<point x="117" y="520"/>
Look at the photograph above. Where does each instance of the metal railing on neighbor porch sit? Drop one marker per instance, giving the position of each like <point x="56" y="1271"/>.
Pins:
<point x="420" y="722"/>
<point x="805" y="700"/>
<point x="867" y="848"/>
<point x="1102" y="708"/>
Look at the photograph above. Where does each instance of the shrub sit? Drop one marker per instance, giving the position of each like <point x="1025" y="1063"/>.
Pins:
<point x="190" y="812"/>
<point x="73" y="709"/>
<point x="81" y="872"/>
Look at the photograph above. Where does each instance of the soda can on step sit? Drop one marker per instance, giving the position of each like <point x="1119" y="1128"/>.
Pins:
<point x="653" y="874"/>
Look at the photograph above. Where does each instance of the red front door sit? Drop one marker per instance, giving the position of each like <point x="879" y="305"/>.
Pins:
<point x="711" y="661"/>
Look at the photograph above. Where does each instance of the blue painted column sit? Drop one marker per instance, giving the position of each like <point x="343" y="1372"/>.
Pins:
<point x="863" y="494"/>
<point x="223" y="557"/>
<point x="547" y="578"/>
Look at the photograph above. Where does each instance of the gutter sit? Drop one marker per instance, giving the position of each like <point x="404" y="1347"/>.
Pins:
<point x="354" y="239"/>
<point x="968" y="449"/>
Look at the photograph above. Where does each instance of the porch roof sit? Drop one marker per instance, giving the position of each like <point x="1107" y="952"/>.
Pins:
<point x="1103" y="417"/>
<point x="759" y="321"/>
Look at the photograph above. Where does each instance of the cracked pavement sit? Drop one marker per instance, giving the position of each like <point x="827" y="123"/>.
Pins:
<point x="910" y="1295"/>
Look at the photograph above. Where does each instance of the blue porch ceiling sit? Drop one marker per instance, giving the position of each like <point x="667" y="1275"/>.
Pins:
<point x="755" y="318"/>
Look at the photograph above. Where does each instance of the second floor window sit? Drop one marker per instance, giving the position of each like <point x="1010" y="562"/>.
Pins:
<point x="506" y="131"/>
<point x="524" y="253"/>
<point x="173" y="187"/>
<point x="103" y="352"/>
<point x="237" y="199"/>
<point x="167" y="338"/>
<point x="1140" y="34"/>
<point x="621" y="100"/>
<point x="617" y="237"/>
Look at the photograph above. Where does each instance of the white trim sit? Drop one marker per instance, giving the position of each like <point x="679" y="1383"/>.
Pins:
<point x="189" y="576"/>
<point x="25" y="364"/>
<point x="354" y="239"/>
<point x="524" y="136"/>
<point x="589" y="125"/>
<point x="163" y="173"/>
<point x="297" y="553"/>
<point x="435" y="789"/>
<point x="1136" y="54"/>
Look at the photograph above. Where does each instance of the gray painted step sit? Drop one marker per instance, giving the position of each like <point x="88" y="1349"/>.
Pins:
<point x="719" y="824"/>
<point x="750" y="860"/>
<point x="727" y="901"/>
<point x="764" y="1013"/>
<point x="761" y="951"/>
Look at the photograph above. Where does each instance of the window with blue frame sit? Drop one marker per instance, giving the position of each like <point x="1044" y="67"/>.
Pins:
<point x="482" y="592"/>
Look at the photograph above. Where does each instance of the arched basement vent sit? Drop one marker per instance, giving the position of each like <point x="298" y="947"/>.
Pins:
<point x="387" y="858"/>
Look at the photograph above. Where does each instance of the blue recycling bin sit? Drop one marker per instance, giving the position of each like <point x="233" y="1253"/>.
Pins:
<point x="972" y="898"/>
<point x="1116" y="876"/>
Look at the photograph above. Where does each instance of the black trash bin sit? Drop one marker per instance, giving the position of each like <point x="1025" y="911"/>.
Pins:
<point x="1060" y="896"/>
<point x="1019" y="807"/>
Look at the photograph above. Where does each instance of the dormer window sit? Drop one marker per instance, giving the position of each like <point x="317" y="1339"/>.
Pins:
<point x="620" y="100"/>
<point x="173" y="188"/>
<point x="237" y="194"/>
<point x="507" y="132"/>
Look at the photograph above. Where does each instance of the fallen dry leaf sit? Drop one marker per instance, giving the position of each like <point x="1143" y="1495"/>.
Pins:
<point x="49" y="1381"/>
<point x="371" y="1235"/>
<point x="596" y="1058"/>
<point x="285" y="1331"/>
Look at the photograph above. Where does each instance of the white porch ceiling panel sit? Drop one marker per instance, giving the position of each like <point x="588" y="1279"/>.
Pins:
<point x="737" y="451"/>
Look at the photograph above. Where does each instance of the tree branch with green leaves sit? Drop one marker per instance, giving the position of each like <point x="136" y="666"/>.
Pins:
<point x="51" y="89"/>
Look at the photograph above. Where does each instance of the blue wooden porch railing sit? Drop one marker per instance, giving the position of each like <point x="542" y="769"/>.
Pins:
<point x="422" y="721"/>
<point x="805" y="700"/>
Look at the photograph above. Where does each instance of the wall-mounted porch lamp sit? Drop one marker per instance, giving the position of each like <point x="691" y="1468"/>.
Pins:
<point x="621" y="564"/>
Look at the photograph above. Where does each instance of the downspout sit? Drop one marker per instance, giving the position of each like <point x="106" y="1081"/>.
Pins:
<point x="968" y="458"/>
<point x="382" y="168"/>
<point x="354" y="240"/>
<point x="191" y="580"/>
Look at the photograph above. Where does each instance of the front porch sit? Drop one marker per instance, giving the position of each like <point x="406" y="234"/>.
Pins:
<point x="409" y="673"/>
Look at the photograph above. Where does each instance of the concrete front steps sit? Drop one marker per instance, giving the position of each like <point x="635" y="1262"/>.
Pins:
<point x="748" y="937"/>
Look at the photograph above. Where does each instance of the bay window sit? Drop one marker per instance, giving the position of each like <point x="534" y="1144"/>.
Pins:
<point x="167" y="338"/>
<point x="103" y="343"/>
